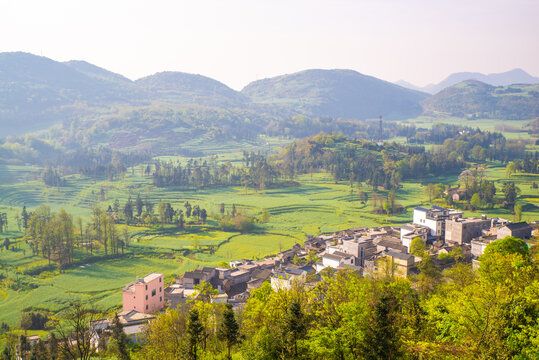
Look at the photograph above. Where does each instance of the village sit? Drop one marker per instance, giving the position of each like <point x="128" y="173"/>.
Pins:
<point x="448" y="236"/>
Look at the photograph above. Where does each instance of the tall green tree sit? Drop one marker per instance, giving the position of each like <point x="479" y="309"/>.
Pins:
<point x="229" y="329"/>
<point x="195" y="333"/>
<point x="120" y="339"/>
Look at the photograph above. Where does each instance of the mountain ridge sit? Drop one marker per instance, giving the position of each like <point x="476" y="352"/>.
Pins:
<point x="476" y="99"/>
<point x="510" y="77"/>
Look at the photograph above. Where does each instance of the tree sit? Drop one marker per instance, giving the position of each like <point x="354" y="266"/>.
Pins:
<point x="166" y="336"/>
<point x="510" y="192"/>
<point x="222" y="209"/>
<point x="120" y="339"/>
<point x="417" y="246"/>
<point x="475" y="202"/>
<point x="75" y="332"/>
<point x="128" y="211"/>
<point x="294" y="328"/>
<point x="139" y="205"/>
<point x="518" y="212"/>
<point x="195" y="333"/>
<point x="188" y="209"/>
<point x="429" y="191"/>
<point x="229" y="329"/>
<point x="116" y="206"/>
<point x="24" y="216"/>
<point x="203" y="215"/>
<point x="382" y="341"/>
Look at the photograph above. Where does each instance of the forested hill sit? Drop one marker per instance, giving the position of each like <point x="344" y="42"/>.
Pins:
<point x="37" y="92"/>
<point x="178" y="87"/>
<point x="336" y="93"/>
<point x="475" y="99"/>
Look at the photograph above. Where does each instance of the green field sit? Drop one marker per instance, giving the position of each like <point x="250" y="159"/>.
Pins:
<point x="318" y="205"/>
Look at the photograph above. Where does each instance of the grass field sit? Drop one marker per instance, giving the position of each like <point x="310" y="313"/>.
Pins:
<point x="318" y="205"/>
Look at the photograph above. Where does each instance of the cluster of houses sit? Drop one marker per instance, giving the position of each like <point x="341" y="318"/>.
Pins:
<point x="360" y="249"/>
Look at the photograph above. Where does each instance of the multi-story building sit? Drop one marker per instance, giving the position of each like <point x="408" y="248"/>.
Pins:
<point x="412" y="231"/>
<point x="463" y="230"/>
<point x="434" y="218"/>
<point x="144" y="295"/>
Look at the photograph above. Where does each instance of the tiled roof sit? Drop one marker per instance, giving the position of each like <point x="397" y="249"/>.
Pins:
<point x="518" y="226"/>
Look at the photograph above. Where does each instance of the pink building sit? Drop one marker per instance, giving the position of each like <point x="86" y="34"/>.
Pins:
<point x="144" y="295"/>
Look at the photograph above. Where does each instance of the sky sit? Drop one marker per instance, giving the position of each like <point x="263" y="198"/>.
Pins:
<point x="238" y="41"/>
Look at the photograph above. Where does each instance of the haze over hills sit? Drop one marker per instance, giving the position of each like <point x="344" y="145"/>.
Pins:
<point x="37" y="92"/>
<point x="475" y="99"/>
<point x="515" y="76"/>
<point x="179" y="87"/>
<point x="336" y="93"/>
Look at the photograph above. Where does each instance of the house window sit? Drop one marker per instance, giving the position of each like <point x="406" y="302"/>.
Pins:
<point x="160" y="299"/>
<point x="160" y="290"/>
<point x="153" y="292"/>
<point x="146" y="307"/>
<point x="146" y="287"/>
<point x="159" y="279"/>
<point x="146" y="297"/>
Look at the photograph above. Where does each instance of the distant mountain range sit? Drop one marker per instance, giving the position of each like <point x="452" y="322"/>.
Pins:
<point x="475" y="99"/>
<point x="515" y="76"/>
<point x="37" y="92"/>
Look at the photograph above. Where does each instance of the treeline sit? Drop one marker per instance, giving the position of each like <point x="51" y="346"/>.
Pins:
<point x="141" y="212"/>
<point x="300" y="126"/>
<point x="51" y="234"/>
<point x="362" y="161"/>
<point x="530" y="165"/>
<point x="52" y="177"/>
<point x="257" y="173"/>
<point x="101" y="161"/>
<point x="458" y="314"/>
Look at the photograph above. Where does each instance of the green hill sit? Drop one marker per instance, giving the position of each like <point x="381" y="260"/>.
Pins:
<point x="473" y="99"/>
<point x="178" y="87"/>
<point x="335" y="93"/>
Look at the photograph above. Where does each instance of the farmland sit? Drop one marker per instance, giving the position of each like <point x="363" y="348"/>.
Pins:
<point x="318" y="205"/>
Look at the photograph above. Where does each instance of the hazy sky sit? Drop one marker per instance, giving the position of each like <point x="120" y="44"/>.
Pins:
<point x="237" y="41"/>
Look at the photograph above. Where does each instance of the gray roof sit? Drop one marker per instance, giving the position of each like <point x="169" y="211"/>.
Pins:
<point x="419" y="208"/>
<point x="519" y="226"/>
<point x="436" y="207"/>
<point x="333" y="257"/>
<point x="399" y="255"/>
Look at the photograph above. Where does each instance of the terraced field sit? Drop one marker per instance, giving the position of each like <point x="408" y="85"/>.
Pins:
<point x="318" y="205"/>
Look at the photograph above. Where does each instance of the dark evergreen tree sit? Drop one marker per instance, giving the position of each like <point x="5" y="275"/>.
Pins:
<point x="294" y="328"/>
<point x="139" y="205"/>
<point x="188" y="209"/>
<point x="203" y="215"/>
<point x="118" y="335"/>
<point x="24" y="216"/>
<point x="195" y="333"/>
<point x="128" y="211"/>
<point x="382" y="340"/>
<point x="229" y="329"/>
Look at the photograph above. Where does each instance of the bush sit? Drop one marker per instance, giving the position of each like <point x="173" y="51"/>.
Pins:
<point x="241" y="223"/>
<point x="33" y="321"/>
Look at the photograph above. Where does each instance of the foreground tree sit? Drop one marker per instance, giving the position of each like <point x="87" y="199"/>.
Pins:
<point x="195" y="333"/>
<point x="120" y="339"/>
<point x="75" y="332"/>
<point x="229" y="330"/>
